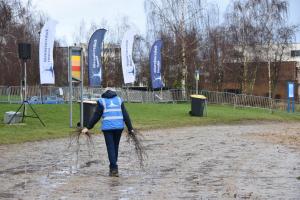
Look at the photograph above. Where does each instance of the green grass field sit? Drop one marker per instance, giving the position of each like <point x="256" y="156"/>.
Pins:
<point x="143" y="116"/>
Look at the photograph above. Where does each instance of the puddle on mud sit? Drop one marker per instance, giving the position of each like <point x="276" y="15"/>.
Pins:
<point x="20" y="185"/>
<point x="89" y="163"/>
<point x="21" y="169"/>
<point x="6" y="195"/>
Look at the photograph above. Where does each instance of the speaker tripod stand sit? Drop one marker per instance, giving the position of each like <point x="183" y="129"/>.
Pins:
<point x="24" y="54"/>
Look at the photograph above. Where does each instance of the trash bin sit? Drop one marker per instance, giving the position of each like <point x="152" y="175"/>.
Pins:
<point x="198" y="104"/>
<point x="89" y="108"/>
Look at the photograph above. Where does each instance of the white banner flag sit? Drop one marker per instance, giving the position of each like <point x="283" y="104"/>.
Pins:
<point x="127" y="62"/>
<point x="46" y="52"/>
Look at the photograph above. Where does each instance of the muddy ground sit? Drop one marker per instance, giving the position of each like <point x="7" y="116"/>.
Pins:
<point x="213" y="162"/>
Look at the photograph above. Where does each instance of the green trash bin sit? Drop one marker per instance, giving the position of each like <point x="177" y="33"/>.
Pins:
<point x="89" y="107"/>
<point x="198" y="105"/>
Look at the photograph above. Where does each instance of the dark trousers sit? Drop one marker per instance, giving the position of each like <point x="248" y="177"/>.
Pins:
<point x="112" y="140"/>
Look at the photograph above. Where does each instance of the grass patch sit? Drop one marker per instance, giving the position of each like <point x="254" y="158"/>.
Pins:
<point x="143" y="116"/>
<point x="56" y="118"/>
<point x="147" y="116"/>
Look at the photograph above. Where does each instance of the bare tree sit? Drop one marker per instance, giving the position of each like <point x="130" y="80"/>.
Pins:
<point x="259" y="31"/>
<point x="19" y="23"/>
<point x="243" y="33"/>
<point x="180" y="21"/>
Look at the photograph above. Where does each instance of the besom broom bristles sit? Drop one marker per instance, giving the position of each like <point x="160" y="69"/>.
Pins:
<point x="75" y="137"/>
<point x="137" y="139"/>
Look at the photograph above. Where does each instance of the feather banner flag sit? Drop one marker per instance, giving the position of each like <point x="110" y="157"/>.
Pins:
<point x="94" y="57"/>
<point x="155" y="65"/>
<point x="46" y="52"/>
<point x="128" y="66"/>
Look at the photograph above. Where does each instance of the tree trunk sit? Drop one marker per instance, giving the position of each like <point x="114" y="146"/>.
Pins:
<point x="253" y="79"/>
<point x="245" y="73"/>
<point x="184" y="66"/>
<point x="270" y="80"/>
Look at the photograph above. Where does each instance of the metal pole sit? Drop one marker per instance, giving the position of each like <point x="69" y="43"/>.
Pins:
<point x="81" y="89"/>
<point x="22" y="84"/>
<point x="41" y="89"/>
<point x="41" y="93"/>
<point x="70" y="84"/>
<point x="9" y="89"/>
<point x="103" y="66"/>
<point x="25" y="89"/>
<point x="196" y="86"/>
<point x="197" y="79"/>
<point x="293" y="104"/>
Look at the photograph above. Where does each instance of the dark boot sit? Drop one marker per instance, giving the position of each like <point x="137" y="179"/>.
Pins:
<point x="114" y="172"/>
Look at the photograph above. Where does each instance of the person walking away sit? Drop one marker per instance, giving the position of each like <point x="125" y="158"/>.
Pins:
<point x="113" y="112"/>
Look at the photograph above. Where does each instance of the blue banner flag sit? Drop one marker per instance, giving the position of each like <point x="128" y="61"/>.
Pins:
<point x="155" y="64"/>
<point x="94" y="57"/>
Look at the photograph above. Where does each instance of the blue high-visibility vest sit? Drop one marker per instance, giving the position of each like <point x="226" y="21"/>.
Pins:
<point x="112" y="117"/>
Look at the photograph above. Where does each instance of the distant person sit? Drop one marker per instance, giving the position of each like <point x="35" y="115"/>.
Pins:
<point x="113" y="112"/>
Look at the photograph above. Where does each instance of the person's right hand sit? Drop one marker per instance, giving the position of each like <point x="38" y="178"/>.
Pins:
<point x="84" y="130"/>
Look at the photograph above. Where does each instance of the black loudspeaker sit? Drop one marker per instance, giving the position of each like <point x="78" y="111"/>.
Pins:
<point x="24" y="51"/>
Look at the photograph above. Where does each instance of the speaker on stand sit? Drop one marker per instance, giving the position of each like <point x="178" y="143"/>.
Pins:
<point x="24" y="50"/>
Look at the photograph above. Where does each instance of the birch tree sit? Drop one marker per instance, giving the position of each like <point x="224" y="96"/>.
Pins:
<point x="180" y="21"/>
<point x="260" y="32"/>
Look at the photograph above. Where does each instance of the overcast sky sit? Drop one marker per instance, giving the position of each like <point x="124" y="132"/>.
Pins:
<point x="69" y="13"/>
